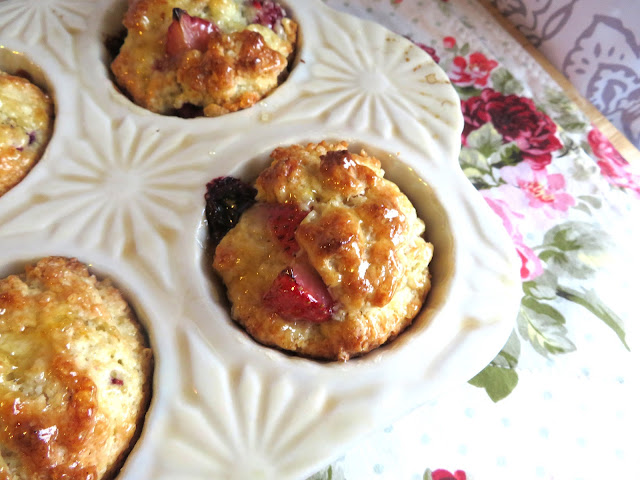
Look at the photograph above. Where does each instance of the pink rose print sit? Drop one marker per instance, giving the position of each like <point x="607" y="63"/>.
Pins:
<point x="544" y="191"/>
<point x="446" y="475"/>
<point x="612" y="165"/>
<point x="517" y="120"/>
<point x="449" y="42"/>
<point x="430" y="50"/>
<point x="472" y="73"/>
<point x="531" y="266"/>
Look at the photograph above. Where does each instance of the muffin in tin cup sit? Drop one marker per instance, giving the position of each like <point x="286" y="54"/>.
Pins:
<point x="27" y="115"/>
<point x="199" y="57"/>
<point x="329" y="261"/>
<point x="76" y="373"/>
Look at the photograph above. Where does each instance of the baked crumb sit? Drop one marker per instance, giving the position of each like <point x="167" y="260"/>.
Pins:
<point x="75" y="374"/>
<point x="358" y="234"/>
<point x="26" y="123"/>
<point x="211" y="56"/>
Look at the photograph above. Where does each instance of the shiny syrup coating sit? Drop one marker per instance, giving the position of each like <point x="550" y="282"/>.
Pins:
<point x="233" y="67"/>
<point x="64" y="336"/>
<point x="357" y="242"/>
<point x="39" y="435"/>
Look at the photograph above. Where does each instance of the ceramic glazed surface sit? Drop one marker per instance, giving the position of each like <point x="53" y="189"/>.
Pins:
<point x="122" y="190"/>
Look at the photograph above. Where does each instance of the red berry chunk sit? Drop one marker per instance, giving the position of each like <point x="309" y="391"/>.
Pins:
<point x="188" y="33"/>
<point x="283" y="221"/>
<point x="268" y="13"/>
<point x="298" y="293"/>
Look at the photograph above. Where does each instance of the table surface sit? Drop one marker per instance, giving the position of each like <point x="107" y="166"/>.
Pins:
<point x="560" y="400"/>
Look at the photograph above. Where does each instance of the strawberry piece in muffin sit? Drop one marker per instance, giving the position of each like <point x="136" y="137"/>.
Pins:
<point x="284" y="220"/>
<point x="297" y="293"/>
<point x="188" y="33"/>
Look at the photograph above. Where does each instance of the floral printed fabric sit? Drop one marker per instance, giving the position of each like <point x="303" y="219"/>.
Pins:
<point x="570" y="203"/>
<point x="441" y="474"/>
<point x="511" y="151"/>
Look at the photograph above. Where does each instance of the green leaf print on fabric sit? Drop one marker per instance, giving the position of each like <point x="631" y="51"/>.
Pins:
<point x="504" y="82"/>
<point x="468" y="92"/>
<point x="486" y="140"/>
<point x="474" y="164"/>
<point x="330" y="473"/>
<point x="544" y="327"/>
<point x="569" y="146"/>
<point x="484" y="154"/>
<point x="444" y="8"/>
<point x="499" y="378"/>
<point x="544" y="287"/>
<point x="508" y="154"/>
<point x="589" y="300"/>
<point x="588" y="203"/>
<point x="571" y="250"/>
<point x="574" y="249"/>
<point x="564" y="112"/>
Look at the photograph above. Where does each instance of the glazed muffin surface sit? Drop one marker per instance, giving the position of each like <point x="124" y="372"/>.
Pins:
<point x="75" y="374"/>
<point x="360" y="235"/>
<point x="26" y="122"/>
<point x="243" y="56"/>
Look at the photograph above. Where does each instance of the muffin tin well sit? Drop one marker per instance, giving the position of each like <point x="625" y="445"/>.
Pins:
<point x="123" y="189"/>
<point x="20" y="65"/>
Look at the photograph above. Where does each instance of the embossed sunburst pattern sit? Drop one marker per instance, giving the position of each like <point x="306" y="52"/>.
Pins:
<point x="237" y="424"/>
<point x="388" y="84"/>
<point x="234" y="443"/>
<point x="122" y="189"/>
<point x="48" y="22"/>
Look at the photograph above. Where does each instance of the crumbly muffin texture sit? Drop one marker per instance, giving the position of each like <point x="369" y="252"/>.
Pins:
<point x="360" y="234"/>
<point x="75" y="374"/>
<point x="231" y="68"/>
<point x="26" y="122"/>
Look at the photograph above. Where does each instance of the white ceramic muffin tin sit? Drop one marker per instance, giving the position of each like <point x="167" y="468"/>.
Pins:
<point x="122" y="189"/>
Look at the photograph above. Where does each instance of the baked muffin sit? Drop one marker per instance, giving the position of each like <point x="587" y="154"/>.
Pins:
<point x="329" y="262"/>
<point x="209" y="57"/>
<point x="75" y="374"/>
<point x="26" y="122"/>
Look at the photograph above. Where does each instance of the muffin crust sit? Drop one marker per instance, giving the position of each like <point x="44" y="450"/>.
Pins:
<point x="361" y="235"/>
<point x="26" y="123"/>
<point x="75" y="374"/>
<point x="241" y="64"/>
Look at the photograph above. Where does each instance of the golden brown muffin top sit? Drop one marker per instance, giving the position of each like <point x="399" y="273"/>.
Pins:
<point x="357" y="220"/>
<point x="241" y="63"/>
<point x="343" y="269"/>
<point x="74" y="370"/>
<point x="26" y="119"/>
